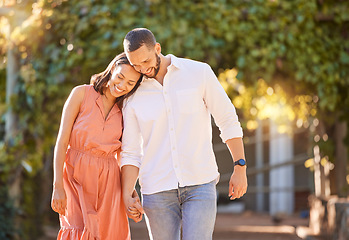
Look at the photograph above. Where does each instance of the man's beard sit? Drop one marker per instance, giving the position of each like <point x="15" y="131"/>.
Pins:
<point x="156" y="68"/>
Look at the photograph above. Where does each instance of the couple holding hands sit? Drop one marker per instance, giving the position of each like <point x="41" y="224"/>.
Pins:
<point x="147" y="116"/>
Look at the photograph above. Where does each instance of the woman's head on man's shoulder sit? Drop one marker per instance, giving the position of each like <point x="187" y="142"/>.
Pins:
<point x="119" y="78"/>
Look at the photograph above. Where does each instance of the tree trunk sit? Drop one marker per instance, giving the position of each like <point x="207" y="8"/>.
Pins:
<point x="341" y="160"/>
<point x="12" y="74"/>
<point x="11" y="126"/>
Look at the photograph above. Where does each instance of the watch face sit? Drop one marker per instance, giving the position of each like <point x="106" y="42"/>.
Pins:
<point x="242" y="162"/>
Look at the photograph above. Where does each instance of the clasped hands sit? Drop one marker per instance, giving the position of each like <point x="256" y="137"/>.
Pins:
<point x="134" y="207"/>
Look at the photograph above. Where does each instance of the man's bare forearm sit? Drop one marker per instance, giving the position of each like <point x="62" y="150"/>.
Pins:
<point x="236" y="148"/>
<point x="129" y="175"/>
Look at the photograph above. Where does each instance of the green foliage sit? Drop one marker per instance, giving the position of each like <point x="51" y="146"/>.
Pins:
<point x="2" y="102"/>
<point x="300" y="42"/>
<point x="7" y="214"/>
<point x="31" y="207"/>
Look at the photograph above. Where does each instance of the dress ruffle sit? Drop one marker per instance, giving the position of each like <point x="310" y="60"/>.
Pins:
<point x="75" y="234"/>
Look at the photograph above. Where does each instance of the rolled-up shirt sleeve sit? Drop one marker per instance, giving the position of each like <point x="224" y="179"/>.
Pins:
<point x="132" y="141"/>
<point x="221" y="107"/>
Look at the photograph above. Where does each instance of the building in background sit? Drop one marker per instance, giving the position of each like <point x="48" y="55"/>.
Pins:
<point x="279" y="183"/>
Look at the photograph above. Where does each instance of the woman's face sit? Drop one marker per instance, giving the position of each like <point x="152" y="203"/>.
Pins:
<point x="123" y="80"/>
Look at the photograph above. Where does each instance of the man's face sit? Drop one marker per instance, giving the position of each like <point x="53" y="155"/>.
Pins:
<point x="146" y="61"/>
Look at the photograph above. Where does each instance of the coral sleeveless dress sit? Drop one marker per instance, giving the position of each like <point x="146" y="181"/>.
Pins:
<point x="95" y="210"/>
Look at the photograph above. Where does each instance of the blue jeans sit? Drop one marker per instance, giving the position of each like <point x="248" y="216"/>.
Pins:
<point x="193" y="208"/>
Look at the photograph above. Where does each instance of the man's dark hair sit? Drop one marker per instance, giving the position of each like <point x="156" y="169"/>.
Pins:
<point x="138" y="37"/>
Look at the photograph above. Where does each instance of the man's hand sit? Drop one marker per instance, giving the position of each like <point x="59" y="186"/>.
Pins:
<point x="133" y="206"/>
<point x="238" y="183"/>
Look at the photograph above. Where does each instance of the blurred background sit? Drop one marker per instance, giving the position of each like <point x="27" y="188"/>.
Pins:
<point x="284" y="64"/>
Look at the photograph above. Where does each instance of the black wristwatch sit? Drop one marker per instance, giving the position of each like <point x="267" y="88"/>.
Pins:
<point x="240" y="162"/>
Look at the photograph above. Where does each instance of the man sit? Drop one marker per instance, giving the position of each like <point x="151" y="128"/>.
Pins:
<point x="167" y="140"/>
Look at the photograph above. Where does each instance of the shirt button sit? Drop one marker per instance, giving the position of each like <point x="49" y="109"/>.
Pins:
<point x="175" y="166"/>
<point x="171" y="129"/>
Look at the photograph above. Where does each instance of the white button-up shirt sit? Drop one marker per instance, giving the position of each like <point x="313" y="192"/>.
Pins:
<point x="167" y="128"/>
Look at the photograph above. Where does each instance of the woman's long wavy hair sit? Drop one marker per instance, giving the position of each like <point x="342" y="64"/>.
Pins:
<point x="100" y="80"/>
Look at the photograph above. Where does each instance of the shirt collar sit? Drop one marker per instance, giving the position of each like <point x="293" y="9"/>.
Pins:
<point x="175" y="61"/>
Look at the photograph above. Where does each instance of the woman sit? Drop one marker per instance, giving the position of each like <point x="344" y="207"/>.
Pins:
<point x="86" y="186"/>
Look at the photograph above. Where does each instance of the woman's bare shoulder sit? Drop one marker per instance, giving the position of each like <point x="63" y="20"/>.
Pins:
<point x="78" y="93"/>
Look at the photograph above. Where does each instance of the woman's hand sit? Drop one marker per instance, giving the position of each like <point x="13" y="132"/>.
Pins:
<point x="133" y="207"/>
<point x="59" y="200"/>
